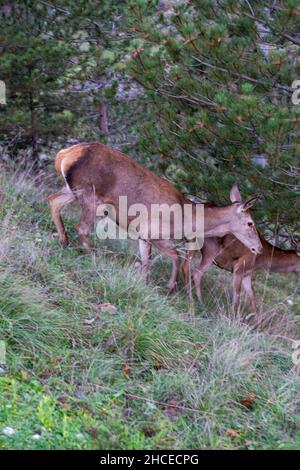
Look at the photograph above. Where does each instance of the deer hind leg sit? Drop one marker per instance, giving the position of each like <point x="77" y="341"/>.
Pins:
<point x="56" y="202"/>
<point x="88" y="204"/>
<point x="167" y="247"/>
<point x="247" y="285"/>
<point x="145" y="248"/>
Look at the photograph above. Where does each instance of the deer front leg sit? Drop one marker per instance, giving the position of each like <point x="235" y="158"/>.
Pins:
<point x="56" y="202"/>
<point x="167" y="247"/>
<point x="247" y="285"/>
<point x="145" y="248"/>
<point x="237" y="284"/>
<point x="209" y="252"/>
<point x="186" y="268"/>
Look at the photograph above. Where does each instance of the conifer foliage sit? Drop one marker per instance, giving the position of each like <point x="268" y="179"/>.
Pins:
<point x="219" y="77"/>
<point x="52" y="62"/>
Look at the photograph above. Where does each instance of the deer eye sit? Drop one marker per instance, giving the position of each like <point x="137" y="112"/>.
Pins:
<point x="250" y="224"/>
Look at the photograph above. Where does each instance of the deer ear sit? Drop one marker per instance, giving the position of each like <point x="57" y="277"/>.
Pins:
<point x="235" y="195"/>
<point x="248" y="204"/>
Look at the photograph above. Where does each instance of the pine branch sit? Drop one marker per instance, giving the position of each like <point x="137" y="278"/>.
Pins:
<point x="271" y="27"/>
<point x="243" y="76"/>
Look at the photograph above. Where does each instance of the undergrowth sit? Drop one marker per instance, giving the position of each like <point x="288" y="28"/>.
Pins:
<point x="97" y="358"/>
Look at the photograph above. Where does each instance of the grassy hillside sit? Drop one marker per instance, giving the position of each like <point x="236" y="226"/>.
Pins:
<point x="98" y="359"/>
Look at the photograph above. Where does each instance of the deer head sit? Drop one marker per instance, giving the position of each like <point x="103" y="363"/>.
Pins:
<point x="241" y="223"/>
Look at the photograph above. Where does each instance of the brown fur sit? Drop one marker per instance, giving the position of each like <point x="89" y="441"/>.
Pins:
<point x="230" y="254"/>
<point x="96" y="174"/>
<point x="69" y="156"/>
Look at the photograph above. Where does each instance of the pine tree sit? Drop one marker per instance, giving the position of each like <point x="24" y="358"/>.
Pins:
<point x="218" y="75"/>
<point x="53" y="65"/>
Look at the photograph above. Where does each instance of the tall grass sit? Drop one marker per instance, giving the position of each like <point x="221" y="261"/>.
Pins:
<point x="144" y="375"/>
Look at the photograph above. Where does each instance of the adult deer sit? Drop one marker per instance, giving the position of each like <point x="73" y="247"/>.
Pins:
<point x="95" y="174"/>
<point x="230" y="254"/>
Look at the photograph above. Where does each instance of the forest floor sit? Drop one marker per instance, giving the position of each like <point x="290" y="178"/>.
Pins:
<point x="98" y="359"/>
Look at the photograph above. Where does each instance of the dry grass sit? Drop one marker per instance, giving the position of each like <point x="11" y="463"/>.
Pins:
<point x="166" y="379"/>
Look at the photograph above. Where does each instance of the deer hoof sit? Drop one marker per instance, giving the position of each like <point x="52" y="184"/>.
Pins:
<point x="88" y="248"/>
<point x="172" y="286"/>
<point x="64" y="243"/>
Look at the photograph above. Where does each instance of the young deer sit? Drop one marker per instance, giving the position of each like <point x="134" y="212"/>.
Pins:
<point x="95" y="174"/>
<point x="230" y="254"/>
<point x="218" y="222"/>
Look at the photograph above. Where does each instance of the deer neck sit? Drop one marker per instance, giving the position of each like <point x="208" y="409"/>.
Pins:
<point x="216" y="221"/>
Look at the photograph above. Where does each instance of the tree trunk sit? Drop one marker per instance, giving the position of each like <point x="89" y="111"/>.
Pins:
<point x="103" y="120"/>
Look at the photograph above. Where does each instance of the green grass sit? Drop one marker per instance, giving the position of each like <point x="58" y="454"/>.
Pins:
<point x="155" y="373"/>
